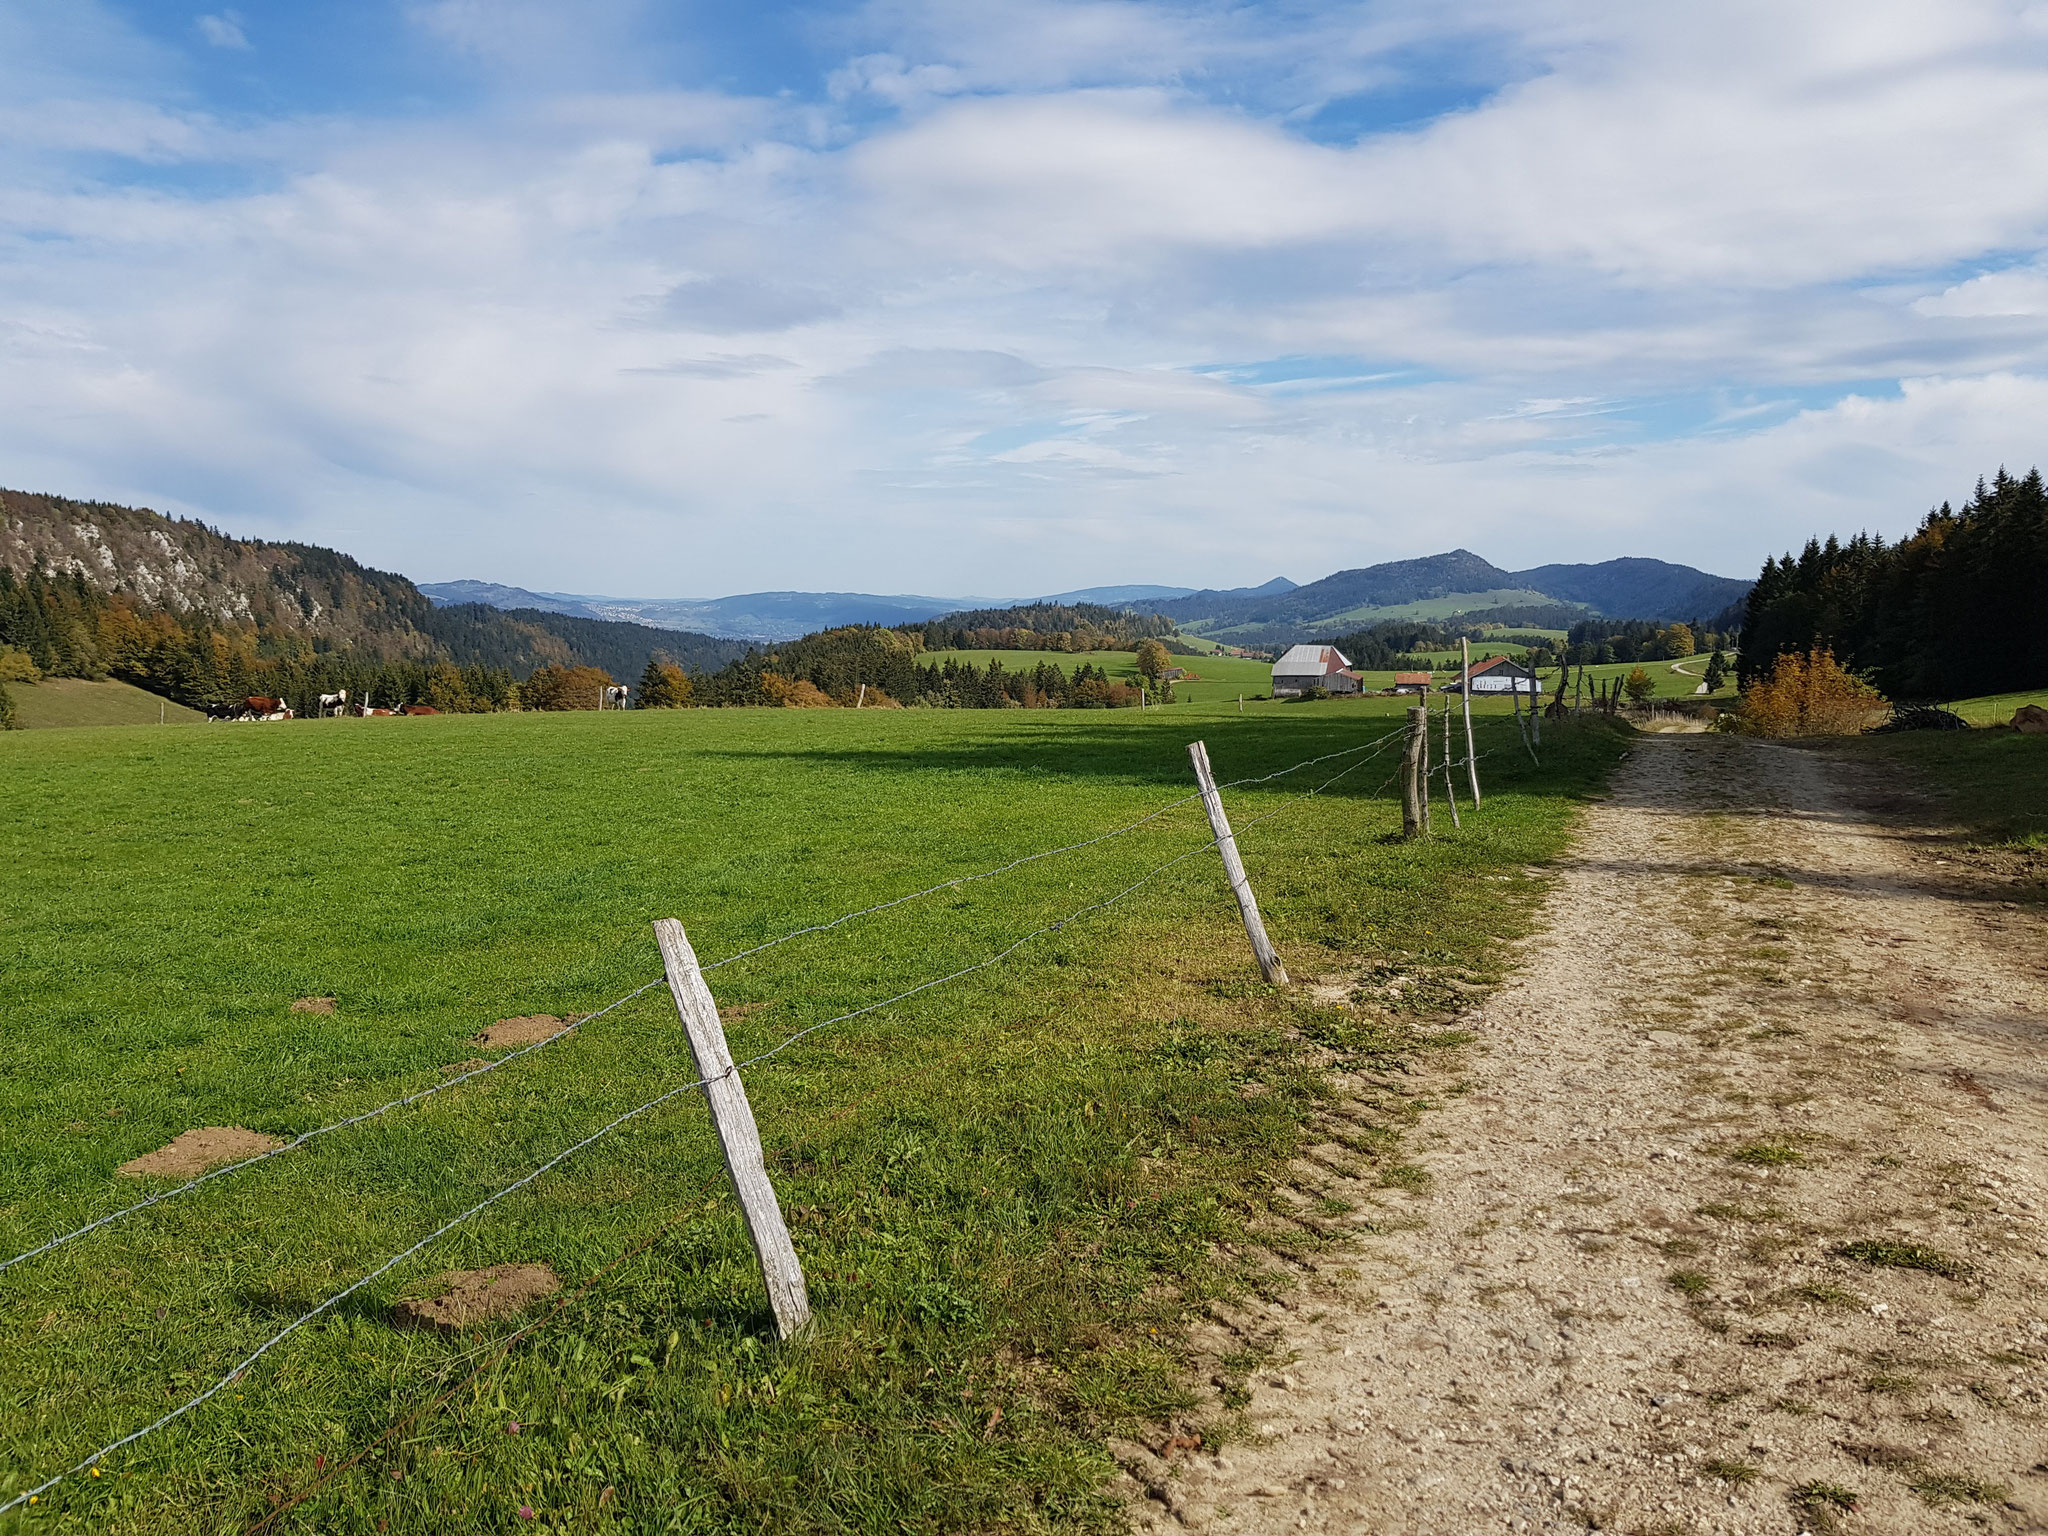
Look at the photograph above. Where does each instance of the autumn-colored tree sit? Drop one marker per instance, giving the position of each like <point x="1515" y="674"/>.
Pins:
<point x="1809" y="695"/>
<point x="1638" y="685"/>
<point x="664" y="685"/>
<point x="446" y="691"/>
<point x="564" y="688"/>
<point x="1678" y="641"/>
<point x="799" y="693"/>
<point x="1153" y="659"/>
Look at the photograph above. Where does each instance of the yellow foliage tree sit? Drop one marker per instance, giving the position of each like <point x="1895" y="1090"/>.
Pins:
<point x="1809" y="695"/>
<point x="1678" y="641"/>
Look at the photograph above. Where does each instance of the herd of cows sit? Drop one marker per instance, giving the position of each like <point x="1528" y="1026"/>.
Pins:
<point x="261" y="707"/>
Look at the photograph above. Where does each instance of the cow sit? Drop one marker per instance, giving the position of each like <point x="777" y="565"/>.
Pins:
<point x="419" y="709"/>
<point x="337" y="702"/>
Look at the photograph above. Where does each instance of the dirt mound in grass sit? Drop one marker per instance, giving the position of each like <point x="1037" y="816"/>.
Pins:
<point x="197" y="1151"/>
<point x="471" y="1296"/>
<point x="313" y="1005"/>
<point x="525" y="1030"/>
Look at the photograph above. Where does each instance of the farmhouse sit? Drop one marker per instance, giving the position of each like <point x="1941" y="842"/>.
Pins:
<point x="1313" y="666"/>
<point x="1497" y="674"/>
<point x="1412" y="682"/>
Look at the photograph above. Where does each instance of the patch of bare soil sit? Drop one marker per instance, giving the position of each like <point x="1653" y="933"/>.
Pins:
<point x="1738" y="1223"/>
<point x="196" y="1151"/>
<point x="524" y="1030"/>
<point x="313" y="1005"/>
<point x="457" y="1068"/>
<point x="472" y="1296"/>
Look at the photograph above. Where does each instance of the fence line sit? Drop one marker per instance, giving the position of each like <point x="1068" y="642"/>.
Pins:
<point x="31" y="1495"/>
<point x="407" y="1100"/>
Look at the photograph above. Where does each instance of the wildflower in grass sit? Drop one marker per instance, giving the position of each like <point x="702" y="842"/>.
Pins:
<point x="512" y="1428"/>
<point x="526" y="1511"/>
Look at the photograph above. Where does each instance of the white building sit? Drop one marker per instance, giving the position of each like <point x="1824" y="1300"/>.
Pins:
<point x="1497" y="674"/>
<point x="1313" y="666"/>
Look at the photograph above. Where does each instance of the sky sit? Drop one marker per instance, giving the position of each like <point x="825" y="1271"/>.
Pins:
<point x="1003" y="297"/>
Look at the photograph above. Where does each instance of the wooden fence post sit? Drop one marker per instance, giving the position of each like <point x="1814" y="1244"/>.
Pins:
<point x="1412" y="815"/>
<point x="737" y="1133"/>
<point x="1233" y="866"/>
<point x="1422" y="765"/>
<point x="1465" y="692"/>
<point x="1450" y="794"/>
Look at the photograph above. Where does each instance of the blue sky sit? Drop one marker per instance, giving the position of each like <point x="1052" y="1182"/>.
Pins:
<point x="1012" y="296"/>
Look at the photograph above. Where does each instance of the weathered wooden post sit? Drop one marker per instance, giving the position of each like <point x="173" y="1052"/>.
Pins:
<point x="1465" y="692"/>
<point x="1413" y="823"/>
<point x="1422" y="764"/>
<point x="1233" y="866"/>
<point x="1450" y="795"/>
<point x="737" y="1134"/>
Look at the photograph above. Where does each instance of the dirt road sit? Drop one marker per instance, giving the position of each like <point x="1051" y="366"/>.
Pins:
<point x="1758" y="1030"/>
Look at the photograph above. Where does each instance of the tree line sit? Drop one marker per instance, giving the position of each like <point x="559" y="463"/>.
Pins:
<point x="1041" y="627"/>
<point x="1953" y="609"/>
<point x="876" y="668"/>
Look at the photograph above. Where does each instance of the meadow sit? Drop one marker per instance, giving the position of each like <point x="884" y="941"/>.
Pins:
<point x="1009" y="1193"/>
<point x="57" y="702"/>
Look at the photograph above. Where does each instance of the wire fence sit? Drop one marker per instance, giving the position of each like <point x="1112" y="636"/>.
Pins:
<point x="1362" y="754"/>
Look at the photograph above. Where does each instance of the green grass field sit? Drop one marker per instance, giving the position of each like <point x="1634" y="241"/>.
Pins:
<point x="1997" y="708"/>
<point x="1991" y="784"/>
<point x="1009" y="1193"/>
<point x="69" y="701"/>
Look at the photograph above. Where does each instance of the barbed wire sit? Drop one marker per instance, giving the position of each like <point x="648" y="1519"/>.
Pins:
<point x="31" y="1495"/>
<point x="305" y="1136"/>
<point x="407" y="1100"/>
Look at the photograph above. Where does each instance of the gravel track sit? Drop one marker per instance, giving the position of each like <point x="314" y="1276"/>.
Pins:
<point x="1762" y="1023"/>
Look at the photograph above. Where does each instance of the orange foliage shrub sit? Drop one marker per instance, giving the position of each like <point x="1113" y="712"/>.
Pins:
<point x="800" y="694"/>
<point x="1810" y="695"/>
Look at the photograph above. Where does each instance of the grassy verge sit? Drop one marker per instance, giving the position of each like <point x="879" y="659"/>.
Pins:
<point x="1008" y="1193"/>
<point x="1991" y="784"/>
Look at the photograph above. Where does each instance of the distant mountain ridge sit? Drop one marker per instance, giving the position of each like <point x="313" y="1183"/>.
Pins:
<point x="1459" y="581"/>
<point x="770" y="617"/>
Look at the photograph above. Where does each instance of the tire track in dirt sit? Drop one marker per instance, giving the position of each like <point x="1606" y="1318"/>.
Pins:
<point x="1757" y="1029"/>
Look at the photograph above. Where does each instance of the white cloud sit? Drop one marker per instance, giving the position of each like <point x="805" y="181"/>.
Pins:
<point x="224" y="30"/>
<point x="966" y="327"/>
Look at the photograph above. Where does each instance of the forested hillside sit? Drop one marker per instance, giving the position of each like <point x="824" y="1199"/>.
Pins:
<point x="1955" y="609"/>
<point x="1041" y="627"/>
<point x="89" y="589"/>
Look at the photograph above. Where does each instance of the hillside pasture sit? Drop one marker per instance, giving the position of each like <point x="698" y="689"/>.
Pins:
<point x="1010" y="1192"/>
<point x="1221" y="677"/>
<point x="58" y="702"/>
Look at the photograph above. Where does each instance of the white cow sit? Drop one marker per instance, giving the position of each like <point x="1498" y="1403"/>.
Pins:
<point x="335" y="702"/>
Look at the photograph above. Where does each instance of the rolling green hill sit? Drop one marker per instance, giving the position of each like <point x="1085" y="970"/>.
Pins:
<point x="67" y="701"/>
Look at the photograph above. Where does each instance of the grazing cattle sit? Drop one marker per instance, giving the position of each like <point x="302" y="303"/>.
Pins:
<point x="419" y="709"/>
<point x="335" y="702"/>
<point x="259" y="706"/>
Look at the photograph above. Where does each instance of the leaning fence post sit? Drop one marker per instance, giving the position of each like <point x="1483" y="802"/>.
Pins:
<point x="737" y="1133"/>
<point x="1465" y="692"/>
<point x="1233" y="866"/>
